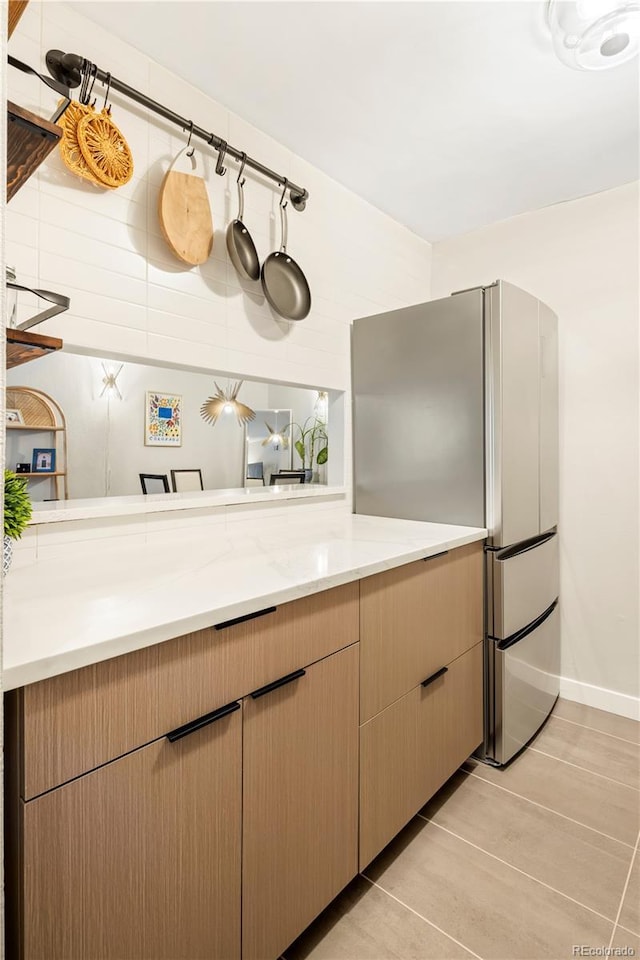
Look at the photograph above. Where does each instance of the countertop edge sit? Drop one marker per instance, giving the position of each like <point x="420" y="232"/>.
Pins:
<point x="65" y="662"/>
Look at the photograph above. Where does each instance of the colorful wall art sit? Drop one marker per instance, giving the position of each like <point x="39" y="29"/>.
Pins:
<point x="163" y="420"/>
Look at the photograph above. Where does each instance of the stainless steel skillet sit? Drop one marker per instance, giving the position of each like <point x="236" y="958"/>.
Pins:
<point x="240" y="245"/>
<point x="283" y="282"/>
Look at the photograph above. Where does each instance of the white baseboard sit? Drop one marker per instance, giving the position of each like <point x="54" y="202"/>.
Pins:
<point x="620" y="703"/>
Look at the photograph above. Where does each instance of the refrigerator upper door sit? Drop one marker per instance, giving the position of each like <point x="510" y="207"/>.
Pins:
<point x="512" y="355"/>
<point x="418" y="412"/>
<point x="548" y="323"/>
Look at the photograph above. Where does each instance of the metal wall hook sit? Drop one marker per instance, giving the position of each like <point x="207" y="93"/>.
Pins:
<point x="222" y="149"/>
<point x="241" y="171"/>
<point x="284" y="191"/>
<point x="106" y="94"/>
<point x="190" y="152"/>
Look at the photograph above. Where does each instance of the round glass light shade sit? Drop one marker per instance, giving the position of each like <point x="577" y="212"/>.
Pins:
<point x="595" y="34"/>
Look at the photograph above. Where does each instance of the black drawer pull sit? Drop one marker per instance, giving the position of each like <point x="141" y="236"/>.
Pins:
<point x="204" y="721"/>
<point x="434" y="676"/>
<point x="433" y="556"/>
<point x="278" y="683"/>
<point x="247" y="616"/>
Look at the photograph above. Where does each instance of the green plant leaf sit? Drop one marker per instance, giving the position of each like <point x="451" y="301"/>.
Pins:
<point x="300" y="450"/>
<point x="323" y="456"/>
<point x="17" y="505"/>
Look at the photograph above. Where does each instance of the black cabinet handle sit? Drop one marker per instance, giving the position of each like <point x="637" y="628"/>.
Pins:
<point x="290" y="677"/>
<point x="247" y="616"/>
<point x="434" y="676"/>
<point x="433" y="556"/>
<point x="204" y="721"/>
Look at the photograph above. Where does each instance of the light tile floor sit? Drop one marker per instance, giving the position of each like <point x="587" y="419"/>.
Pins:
<point x="525" y="863"/>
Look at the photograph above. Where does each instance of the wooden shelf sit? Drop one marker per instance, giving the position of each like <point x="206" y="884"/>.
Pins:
<point x="30" y="140"/>
<point x="32" y="426"/>
<point x="44" y="473"/>
<point x="22" y="346"/>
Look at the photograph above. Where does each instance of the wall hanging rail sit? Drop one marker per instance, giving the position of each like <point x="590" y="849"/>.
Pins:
<point x="70" y="69"/>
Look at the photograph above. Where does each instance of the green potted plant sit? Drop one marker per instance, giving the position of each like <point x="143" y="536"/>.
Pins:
<point x="312" y="444"/>
<point x="17" y="513"/>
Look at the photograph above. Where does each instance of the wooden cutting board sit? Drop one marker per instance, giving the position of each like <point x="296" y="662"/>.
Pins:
<point x="184" y="210"/>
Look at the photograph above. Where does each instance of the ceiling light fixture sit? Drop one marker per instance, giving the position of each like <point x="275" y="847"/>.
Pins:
<point x="225" y="401"/>
<point x="594" y="34"/>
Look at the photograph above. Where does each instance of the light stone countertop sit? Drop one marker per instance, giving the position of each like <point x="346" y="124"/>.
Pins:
<point x="61" y="614"/>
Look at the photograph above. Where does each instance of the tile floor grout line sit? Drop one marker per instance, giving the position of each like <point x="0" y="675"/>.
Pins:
<point x="604" y="733"/>
<point x="542" y="806"/>
<point x="594" y="773"/>
<point x="415" y="912"/>
<point x="517" y="869"/>
<point x="624" y="891"/>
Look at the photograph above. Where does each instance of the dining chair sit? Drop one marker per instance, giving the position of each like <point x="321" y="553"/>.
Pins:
<point x="255" y="471"/>
<point x="183" y="481"/>
<point x="154" y="482"/>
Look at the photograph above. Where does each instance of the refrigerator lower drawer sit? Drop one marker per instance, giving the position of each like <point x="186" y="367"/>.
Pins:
<point x="525" y="582"/>
<point x="526" y="686"/>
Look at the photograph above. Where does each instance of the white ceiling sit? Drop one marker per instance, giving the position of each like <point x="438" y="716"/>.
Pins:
<point x="446" y="115"/>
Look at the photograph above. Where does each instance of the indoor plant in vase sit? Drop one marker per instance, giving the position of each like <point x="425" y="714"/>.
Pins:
<point x="17" y="513"/>
<point x="311" y="445"/>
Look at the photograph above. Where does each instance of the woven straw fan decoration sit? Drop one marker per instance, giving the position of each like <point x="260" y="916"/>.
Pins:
<point x="69" y="147"/>
<point x="226" y="400"/>
<point x="105" y="150"/>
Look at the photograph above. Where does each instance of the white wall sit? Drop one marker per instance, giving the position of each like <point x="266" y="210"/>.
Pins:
<point x="106" y="447"/>
<point x="131" y="297"/>
<point x="582" y="258"/>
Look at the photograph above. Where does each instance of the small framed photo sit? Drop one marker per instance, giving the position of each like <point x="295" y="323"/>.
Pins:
<point x="163" y="420"/>
<point x="14" y="416"/>
<point x="43" y="460"/>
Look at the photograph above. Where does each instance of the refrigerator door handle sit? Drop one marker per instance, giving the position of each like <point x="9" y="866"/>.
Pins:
<point x="501" y="554"/>
<point x="521" y="634"/>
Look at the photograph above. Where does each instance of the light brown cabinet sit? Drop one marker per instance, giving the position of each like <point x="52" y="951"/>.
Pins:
<point x="140" y="858"/>
<point x="421" y="686"/>
<point x="226" y="842"/>
<point x="415" y="619"/>
<point x="129" y="841"/>
<point x="300" y="802"/>
<point x="410" y="749"/>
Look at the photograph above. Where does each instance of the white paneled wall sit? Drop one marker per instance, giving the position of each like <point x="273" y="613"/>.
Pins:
<point x="131" y="297"/>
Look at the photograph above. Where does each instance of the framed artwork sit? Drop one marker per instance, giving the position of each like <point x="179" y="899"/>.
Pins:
<point x="43" y="460"/>
<point x="14" y="416"/>
<point x="163" y="420"/>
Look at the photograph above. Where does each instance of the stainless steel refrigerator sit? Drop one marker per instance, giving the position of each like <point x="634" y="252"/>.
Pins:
<point x="455" y="407"/>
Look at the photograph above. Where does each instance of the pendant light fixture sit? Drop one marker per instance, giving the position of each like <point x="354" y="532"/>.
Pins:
<point x="226" y="401"/>
<point x="594" y="34"/>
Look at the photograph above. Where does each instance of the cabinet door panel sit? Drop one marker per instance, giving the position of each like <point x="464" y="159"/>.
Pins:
<point x="410" y="749"/>
<point x="300" y="802"/>
<point x="415" y="619"/>
<point x="141" y="858"/>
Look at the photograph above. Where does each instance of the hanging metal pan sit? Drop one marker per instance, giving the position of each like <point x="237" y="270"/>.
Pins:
<point x="240" y="245"/>
<point x="285" y="285"/>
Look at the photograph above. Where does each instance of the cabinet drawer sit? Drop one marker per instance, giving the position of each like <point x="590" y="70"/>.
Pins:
<point x="410" y="749"/>
<point x="79" y="720"/>
<point x="414" y="619"/>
